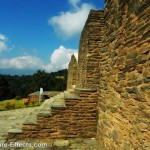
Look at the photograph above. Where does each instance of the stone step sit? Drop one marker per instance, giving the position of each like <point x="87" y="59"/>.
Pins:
<point x="31" y="120"/>
<point x="15" y="131"/>
<point x="56" y="102"/>
<point x="45" y="109"/>
<point x="47" y="104"/>
<point x="70" y="95"/>
<point x="59" y="101"/>
<point x="70" y="90"/>
<point x="32" y="117"/>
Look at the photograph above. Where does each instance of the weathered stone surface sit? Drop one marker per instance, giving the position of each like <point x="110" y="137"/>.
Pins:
<point x="61" y="143"/>
<point x="73" y="117"/>
<point x="72" y="73"/>
<point x="70" y="95"/>
<point x="17" y="131"/>
<point x="124" y="89"/>
<point x="112" y="80"/>
<point x="90" y="43"/>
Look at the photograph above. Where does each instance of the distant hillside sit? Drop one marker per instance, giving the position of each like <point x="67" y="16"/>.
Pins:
<point x="17" y="71"/>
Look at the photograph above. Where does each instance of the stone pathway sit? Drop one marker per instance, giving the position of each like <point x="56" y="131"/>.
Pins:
<point x="14" y="118"/>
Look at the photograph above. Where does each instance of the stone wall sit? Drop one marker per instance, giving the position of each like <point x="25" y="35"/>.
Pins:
<point x="114" y="61"/>
<point x="72" y="73"/>
<point x="90" y="43"/>
<point x="124" y="89"/>
<point x="77" y="118"/>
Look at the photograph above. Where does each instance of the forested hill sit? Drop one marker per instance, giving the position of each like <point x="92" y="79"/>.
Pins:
<point x="12" y="86"/>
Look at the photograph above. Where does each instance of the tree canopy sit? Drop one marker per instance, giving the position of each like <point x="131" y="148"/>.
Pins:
<point x="12" y="86"/>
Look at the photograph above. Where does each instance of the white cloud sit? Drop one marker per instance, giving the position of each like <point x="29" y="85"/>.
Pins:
<point x="2" y="37"/>
<point x="69" y="24"/>
<point x="21" y="62"/>
<point x="74" y="3"/>
<point x="3" y="44"/>
<point x="60" y="59"/>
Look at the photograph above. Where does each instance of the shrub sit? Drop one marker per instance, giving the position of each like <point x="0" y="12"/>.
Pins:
<point x="33" y="101"/>
<point x="10" y="104"/>
<point x="7" y="105"/>
<point x="2" y="108"/>
<point x="26" y="102"/>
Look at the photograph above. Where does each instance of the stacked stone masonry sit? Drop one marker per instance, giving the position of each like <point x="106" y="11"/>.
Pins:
<point x="90" y="43"/>
<point x="76" y="119"/>
<point x="114" y="63"/>
<point x="72" y="73"/>
<point x="124" y="82"/>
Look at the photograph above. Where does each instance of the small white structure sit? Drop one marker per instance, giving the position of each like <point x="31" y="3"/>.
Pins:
<point x="40" y="95"/>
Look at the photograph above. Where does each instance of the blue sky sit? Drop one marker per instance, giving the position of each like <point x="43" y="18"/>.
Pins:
<point x="41" y="34"/>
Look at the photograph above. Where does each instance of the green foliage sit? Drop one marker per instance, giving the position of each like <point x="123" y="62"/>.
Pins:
<point x="20" y="86"/>
<point x="4" y="90"/>
<point x="33" y="101"/>
<point x="10" y="105"/>
<point x="16" y="104"/>
<point x="26" y="102"/>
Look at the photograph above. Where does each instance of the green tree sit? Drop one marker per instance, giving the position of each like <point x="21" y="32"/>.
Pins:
<point x="4" y="88"/>
<point x="12" y="86"/>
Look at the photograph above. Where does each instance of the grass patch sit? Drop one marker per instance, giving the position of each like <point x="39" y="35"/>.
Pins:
<point x="16" y="104"/>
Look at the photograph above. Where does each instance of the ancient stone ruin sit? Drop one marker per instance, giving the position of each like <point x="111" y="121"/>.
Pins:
<point x="108" y="90"/>
<point x="72" y="73"/>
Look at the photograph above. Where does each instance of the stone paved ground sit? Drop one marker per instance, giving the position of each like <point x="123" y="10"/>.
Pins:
<point x="15" y="118"/>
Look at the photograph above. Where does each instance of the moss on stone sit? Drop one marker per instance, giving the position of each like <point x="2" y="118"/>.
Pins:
<point x="132" y="55"/>
<point x="145" y="88"/>
<point x="132" y="90"/>
<point x="136" y="83"/>
<point x="146" y="79"/>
